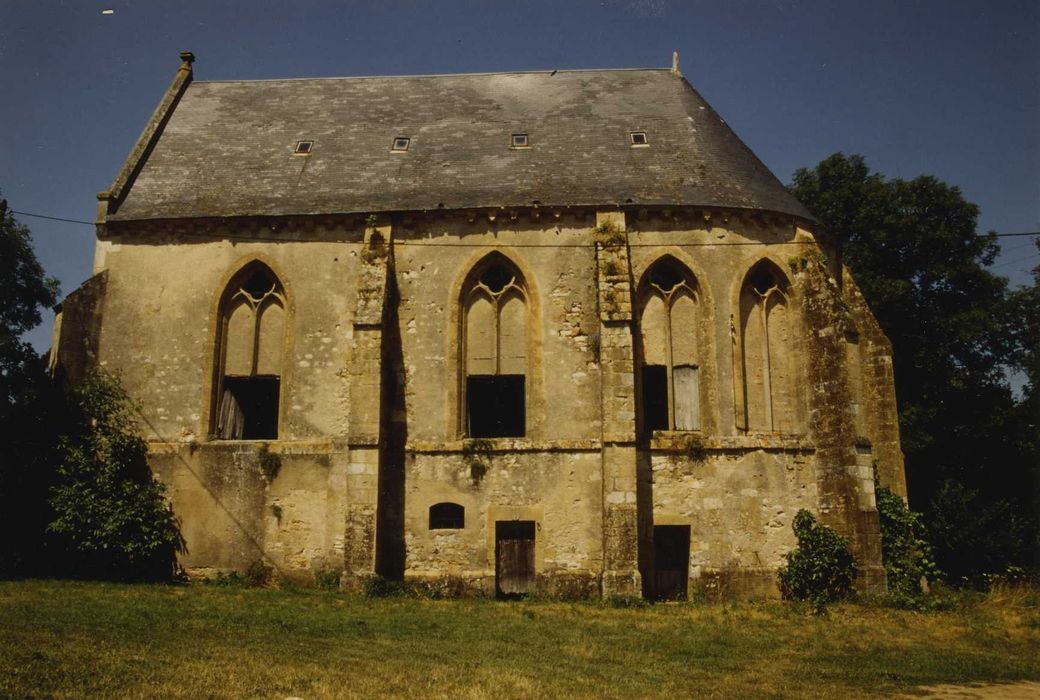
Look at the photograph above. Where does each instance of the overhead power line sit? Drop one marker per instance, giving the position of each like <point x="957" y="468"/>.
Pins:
<point x="52" y="218"/>
<point x="480" y="245"/>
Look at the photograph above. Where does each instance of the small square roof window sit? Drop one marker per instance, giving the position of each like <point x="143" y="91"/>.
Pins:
<point x="400" y="144"/>
<point x="638" y="138"/>
<point x="520" y="141"/>
<point x="303" y="148"/>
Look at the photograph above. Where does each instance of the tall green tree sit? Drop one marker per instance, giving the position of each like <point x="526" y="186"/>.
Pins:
<point x="24" y="292"/>
<point x="110" y="514"/>
<point x="914" y="250"/>
<point x="27" y="402"/>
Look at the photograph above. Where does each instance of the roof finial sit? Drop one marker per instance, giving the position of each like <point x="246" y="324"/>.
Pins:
<point x="187" y="57"/>
<point x="675" y="63"/>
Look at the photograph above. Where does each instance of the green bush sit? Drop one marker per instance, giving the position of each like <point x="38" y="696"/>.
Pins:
<point x="906" y="556"/>
<point x="110" y="516"/>
<point x="820" y="569"/>
<point x="327" y="579"/>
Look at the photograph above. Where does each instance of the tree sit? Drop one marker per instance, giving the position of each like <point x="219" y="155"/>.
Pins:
<point x="28" y="402"/>
<point x="110" y="513"/>
<point x="23" y="292"/>
<point x="914" y="251"/>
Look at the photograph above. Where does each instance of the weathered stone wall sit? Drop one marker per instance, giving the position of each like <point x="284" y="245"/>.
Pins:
<point x="371" y="432"/>
<point x="880" y="415"/>
<point x="161" y="314"/>
<point x="739" y="497"/>
<point x="559" y="488"/>
<point x="77" y="330"/>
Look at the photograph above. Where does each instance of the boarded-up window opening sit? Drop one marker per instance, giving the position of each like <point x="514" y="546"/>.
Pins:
<point x="514" y="558"/>
<point x="447" y="516"/>
<point x="253" y="333"/>
<point x="495" y="360"/>
<point x="686" y="382"/>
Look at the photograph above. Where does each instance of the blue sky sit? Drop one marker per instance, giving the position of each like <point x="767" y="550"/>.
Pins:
<point x="949" y="88"/>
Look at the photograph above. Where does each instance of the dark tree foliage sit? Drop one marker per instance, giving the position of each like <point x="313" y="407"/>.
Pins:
<point x="914" y="251"/>
<point x="28" y="403"/>
<point x="1026" y="303"/>
<point x="24" y="291"/>
<point x="110" y="514"/>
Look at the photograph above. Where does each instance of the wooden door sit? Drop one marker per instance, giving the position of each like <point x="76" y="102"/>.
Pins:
<point x="671" y="562"/>
<point x="514" y="558"/>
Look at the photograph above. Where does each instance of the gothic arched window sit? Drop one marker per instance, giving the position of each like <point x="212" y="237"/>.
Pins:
<point x="768" y="344"/>
<point x="494" y="305"/>
<point x="669" y="371"/>
<point x="251" y="342"/>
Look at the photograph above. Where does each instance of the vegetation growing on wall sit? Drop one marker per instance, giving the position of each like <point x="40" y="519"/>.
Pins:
<point x="820" y="569"/>
<point x="971" y="446"/>
<point x="907" y="556"/>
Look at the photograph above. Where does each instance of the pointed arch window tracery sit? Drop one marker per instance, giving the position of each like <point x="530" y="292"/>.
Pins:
<point x="495" y="310"/>
<point x="670" y="363"/>
<point x="769" y="367"/>
<point x="250" y="348"/>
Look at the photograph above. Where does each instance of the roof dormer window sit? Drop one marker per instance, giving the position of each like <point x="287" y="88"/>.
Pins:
<point x="400" y="144"/>
<point x="520" y="141"/>
<point x="638" y="138"/>
<point x="303" y="148"/>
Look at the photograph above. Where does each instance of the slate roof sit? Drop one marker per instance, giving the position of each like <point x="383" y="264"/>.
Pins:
<point x="227" y="148"/>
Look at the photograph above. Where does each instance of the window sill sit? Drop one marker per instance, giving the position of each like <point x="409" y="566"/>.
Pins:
<point x="681" y="441"/>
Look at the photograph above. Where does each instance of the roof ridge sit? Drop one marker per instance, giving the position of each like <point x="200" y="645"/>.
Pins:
<point x="441" y="75"/>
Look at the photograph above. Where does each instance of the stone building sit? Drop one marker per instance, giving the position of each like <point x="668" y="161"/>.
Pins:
<point x="555" y="332"/>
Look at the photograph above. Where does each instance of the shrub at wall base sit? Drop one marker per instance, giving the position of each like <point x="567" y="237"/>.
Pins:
<point x="110" y="514"/>
<point x="820" y="569"/>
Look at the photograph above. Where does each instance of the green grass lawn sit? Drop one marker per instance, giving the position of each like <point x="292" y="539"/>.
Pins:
<point x="63" y="639"/>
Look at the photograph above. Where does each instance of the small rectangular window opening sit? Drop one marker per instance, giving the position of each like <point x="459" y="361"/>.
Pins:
<point x="303" y="148"/>
<point x="520" y="141"/>
<point x="400" y="144"/>
<point x="639" y="138"/>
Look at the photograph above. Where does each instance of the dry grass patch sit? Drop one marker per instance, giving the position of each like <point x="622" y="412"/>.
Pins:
<point x="67" y="640"/>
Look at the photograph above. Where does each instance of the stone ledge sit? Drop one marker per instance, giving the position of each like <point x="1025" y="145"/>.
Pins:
<point x="285" y="447"/>
<point x="493" y="445"/>
<point x="680" y="441"/>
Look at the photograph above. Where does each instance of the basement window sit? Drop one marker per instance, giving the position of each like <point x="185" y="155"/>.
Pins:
<point x="303" y="148"/>
<point x="447" y="516"/>
<point x="638" y="138"/>
<point x="520" y="141"/>
<point x="400" y="144"/>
